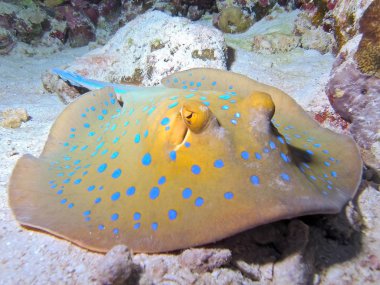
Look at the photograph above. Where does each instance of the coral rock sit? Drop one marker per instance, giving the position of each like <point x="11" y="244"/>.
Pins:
<point x="233" y="20"/>
<point x="6" y="42"/>
<point x="115" y="267"/>
<point x="12" y="118"/>
<point x="368" y="54"/>
<point x="202" y="260"/>
<point x="80" y="28"/>
<point x="144" y="56"/>
<point x="355" y="96"/>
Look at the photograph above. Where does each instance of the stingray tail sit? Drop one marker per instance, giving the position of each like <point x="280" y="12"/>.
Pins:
<point x="79" y="81"/>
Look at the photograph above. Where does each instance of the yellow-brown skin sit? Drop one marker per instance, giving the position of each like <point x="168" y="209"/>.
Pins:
<point x="201" y="131"/>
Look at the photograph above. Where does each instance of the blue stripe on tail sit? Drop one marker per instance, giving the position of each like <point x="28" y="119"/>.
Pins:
<point x="80" y="81"/>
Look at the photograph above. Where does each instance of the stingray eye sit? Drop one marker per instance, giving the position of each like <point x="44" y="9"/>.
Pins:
<point x="195" y="115"/>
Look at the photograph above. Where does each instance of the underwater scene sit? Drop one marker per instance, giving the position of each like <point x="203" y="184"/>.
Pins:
<point x="190" y="142"/>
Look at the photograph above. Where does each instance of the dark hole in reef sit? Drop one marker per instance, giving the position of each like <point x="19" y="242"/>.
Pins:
<point x="230" y="54"/>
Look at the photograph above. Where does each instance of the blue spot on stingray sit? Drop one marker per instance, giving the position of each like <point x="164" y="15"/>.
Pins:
<point x="101" y="227"/>
<point x="91" y="134"/>
<point x="225" y="107"/>
<point x="172" y="214"/>
<point x="154" y="193"/>
<point x="184" y="87"/>
<point x="165" y="121"/>
<point x="309" y="152"/>
<point x="114" y="155"/>
<point x="90" y="188"/>
<point x="154" y="226"/>
<point x="244" y="155"/>
<point x="86" y="213"/>
<point x="130" y="191"/>
<point x="66" y="181"/>
<point x="218" y="163"/>
<point x="105" y="112"/>
<point x="77" y="162"/>
<point x="73" y="129"/>
<point x="313" y="177"/>
<point x="116" y="173"/>
<point x="146" y="133"/>
<point x="115" y="196"/>
<point x="228" y="195"/>
<point x="53" y="186"/>
<point x="173" y="155"/>
<point x="86" y="125"/>
<point x="199" y="84"/>
<point x="186" y="193"/>
<point x="100" y="117"/>
<point x="213" y="83"/>
<point x="92" y="108"/>
<point x="84" y="147"/>
<point x="113" y="101"/>
<point x="115" y="231"/>
<point x="167" y="128"/>
<point x="195" y="169"/>
<point x="326" y="163"/>
<point x="272" y="145"/>
<point x="162" y="180"/>
<point x="284" y="157"/>
<point x="203" y="98"/>
<point x="189" y="96"/>
<point x="285" y="177"/>
<point x="255" y="180"/>
<point x="325" y="151"/>
<point x="84" y="115"/>
<point x="147" y="159"/>
<point x="71" y="136"/>
<point x="175" y="80"/>
<point x="151" y="110"/>
<point x="59" y="192"/>
<point x="66" y="144"/>
<point x="281" y="140"/>
<point x="334" y="174"/>
<point x="234" y="122"/>
<point x="136" y="216"/>
<point x="187" y="144"/>
<point x="172" y="105"/>
<point x="230" y="87"/>
<point x="332" y="159"/>
<point x="104" y="151"/>
<point x="317" y="145"/>
<point x="136" y="226"/>
<point x="206" y="103"/>
<point x="70" y="206"/>
<point x="199" y="201"/>
<point x="258" y="156"/>
<point x="237" y="115"/>
<point x="224" y="97"/>
<point x="116" y="140"/>
<point x="114" y="217"/>
<point x="63" y="201"/>
<point x="78" y="181"/>
<point x="102" y="167"/>
<point x="73" y="148"/>
<point x="137" y="138"/>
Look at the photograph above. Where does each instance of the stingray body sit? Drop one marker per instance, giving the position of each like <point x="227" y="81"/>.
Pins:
<point x="210" y="154"/>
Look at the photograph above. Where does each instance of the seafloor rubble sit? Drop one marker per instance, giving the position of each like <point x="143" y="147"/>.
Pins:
<point x="323" y="52"/>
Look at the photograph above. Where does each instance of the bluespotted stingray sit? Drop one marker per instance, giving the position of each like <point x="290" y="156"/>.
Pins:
<point x="205" y="156"/>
